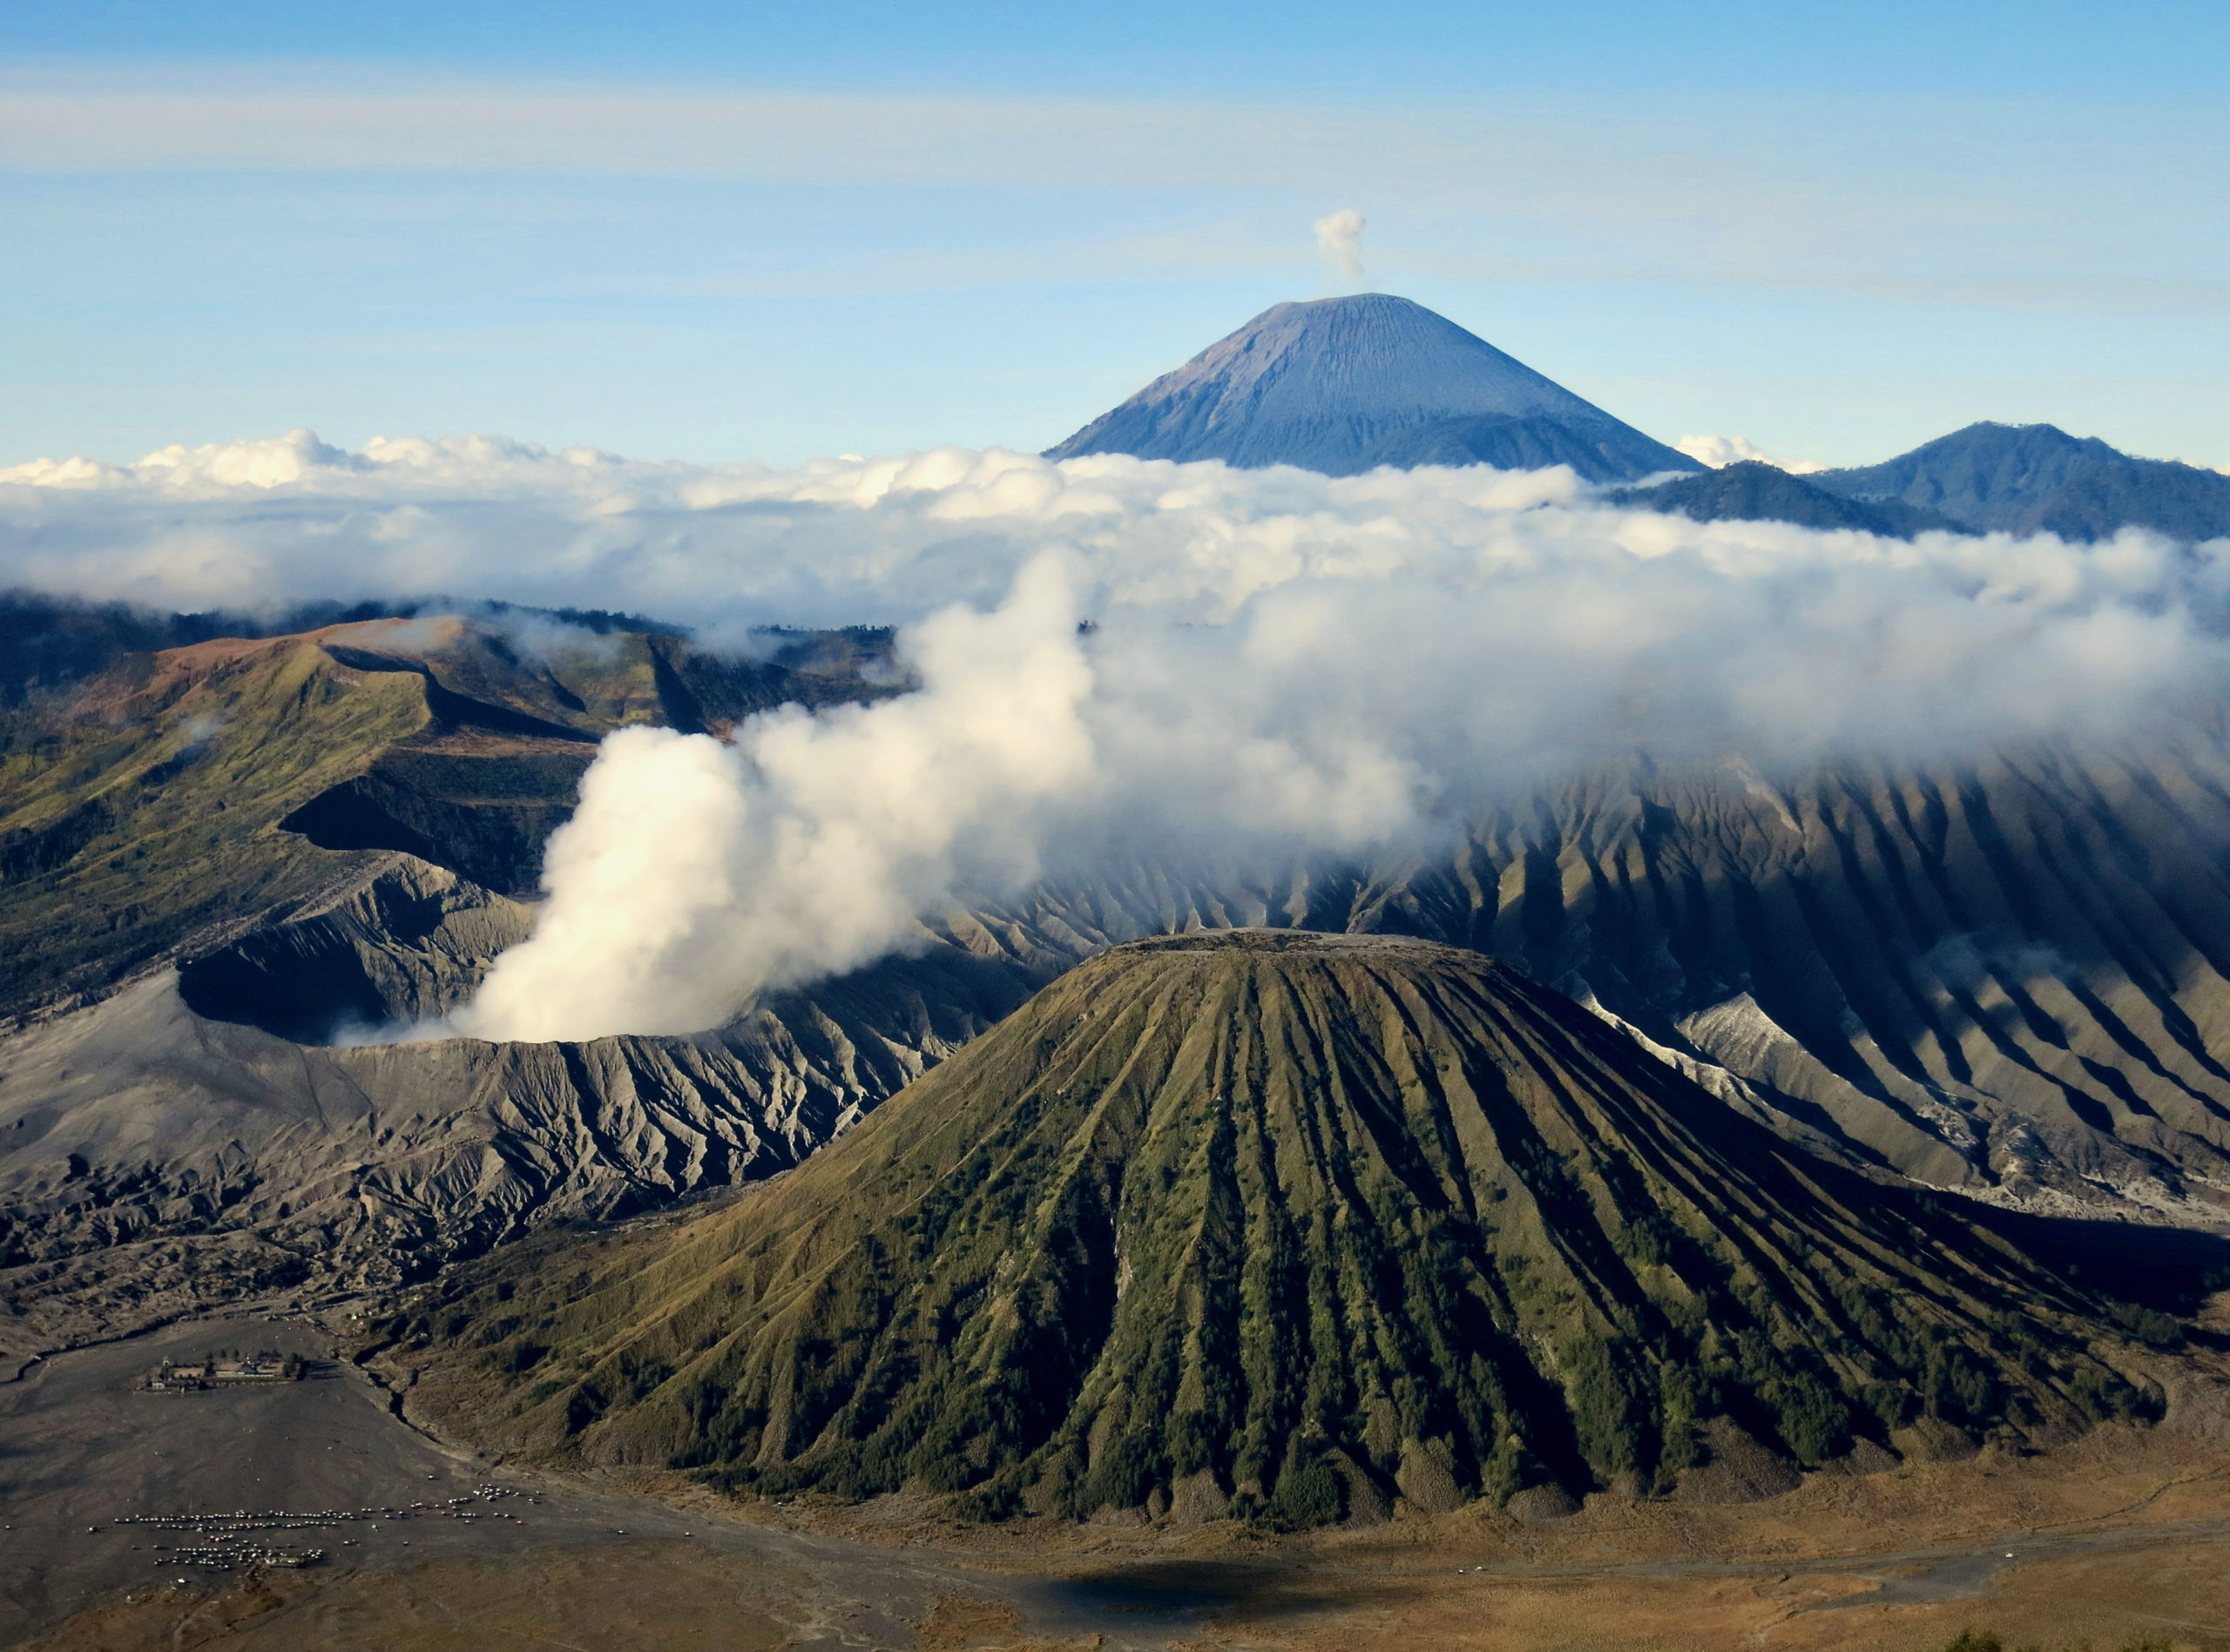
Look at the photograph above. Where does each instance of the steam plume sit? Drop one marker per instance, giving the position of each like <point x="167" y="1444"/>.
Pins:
<point x="1339" y="240"/>
<point x="693" y="873"/>
<point x="1719" y="452"/>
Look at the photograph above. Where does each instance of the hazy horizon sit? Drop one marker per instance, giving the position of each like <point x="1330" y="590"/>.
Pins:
<point x="693" y="237"/>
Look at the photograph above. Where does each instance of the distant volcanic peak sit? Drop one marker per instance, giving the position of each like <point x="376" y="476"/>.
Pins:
<point x="2036" y="478"/>
<point x="1751" y="491"/>
<point x="1381" y="356"/>
<point x="1258" y="1221"/>
<point x="1981" y="466"/>
<point x="1326" y="384"/>
<point x="2037" y="437"/>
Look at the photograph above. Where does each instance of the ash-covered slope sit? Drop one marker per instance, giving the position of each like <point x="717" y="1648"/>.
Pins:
<point x="2006" y="975"/>
<point x="154" y="1161"/>
<point x="1343" y="385"/>
<point x="1288" y="1222"/>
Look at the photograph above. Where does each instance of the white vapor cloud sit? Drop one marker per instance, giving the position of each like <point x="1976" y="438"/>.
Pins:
<point x="1339" y="241"/>
<point x="695" y="873"/>
<point x="1719" y="452"/>
<point x="1276" y="662"/>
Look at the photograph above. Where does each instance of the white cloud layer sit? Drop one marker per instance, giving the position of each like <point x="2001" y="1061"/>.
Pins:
<point x="1278" y="661"/>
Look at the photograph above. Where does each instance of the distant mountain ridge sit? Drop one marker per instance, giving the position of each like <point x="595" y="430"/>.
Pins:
<point x="1752" y="490"/>
<point x="1988" y="478"/>
<point x="1343" y="385"/>
<point x="2036" y="478"/>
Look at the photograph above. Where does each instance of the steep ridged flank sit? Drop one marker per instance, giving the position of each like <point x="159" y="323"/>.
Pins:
<point x="2008" y="975"/>
<point x="137" y="819"/>
<point x="1343" y="385"/>
<point x="1304" y="1218"/>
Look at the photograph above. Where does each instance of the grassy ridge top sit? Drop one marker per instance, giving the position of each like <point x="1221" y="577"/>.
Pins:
<point x="1284" y="1224"/>
<point x="145" y="812"/>
<point x="173" y="799"/>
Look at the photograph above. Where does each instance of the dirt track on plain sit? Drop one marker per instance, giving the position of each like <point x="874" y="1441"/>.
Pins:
<point x="2127" y="1534"/>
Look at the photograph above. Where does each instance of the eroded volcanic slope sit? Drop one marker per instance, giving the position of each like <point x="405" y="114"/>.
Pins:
<point x="1279" y="1223"/>
<point x="2005" y="975"/>
<point x="210" y="852"/>
<point x="2008" y="974"/>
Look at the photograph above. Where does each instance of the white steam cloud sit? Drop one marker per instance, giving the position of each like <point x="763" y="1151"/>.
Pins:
<point x="695" y="873"/>
<point x="1339" y="241"/>
<point x="1719" y="452"/>
<point x="1275" y="663"/>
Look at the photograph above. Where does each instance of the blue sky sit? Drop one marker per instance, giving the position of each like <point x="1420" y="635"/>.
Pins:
<point x="721" y="232"/>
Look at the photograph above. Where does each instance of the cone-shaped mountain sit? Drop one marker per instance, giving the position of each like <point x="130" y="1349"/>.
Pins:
<point x="1287" y="1223"/>
<point x="1341" y="385"/>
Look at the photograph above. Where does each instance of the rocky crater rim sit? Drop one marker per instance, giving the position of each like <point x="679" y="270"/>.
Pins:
<point x="1264" y="939"/>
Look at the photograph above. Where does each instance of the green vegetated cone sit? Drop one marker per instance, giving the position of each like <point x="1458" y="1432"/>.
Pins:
<point x="1264" y="1223"/>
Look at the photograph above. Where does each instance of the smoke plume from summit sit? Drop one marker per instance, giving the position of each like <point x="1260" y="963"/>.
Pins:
<point x="1339" y="239"/>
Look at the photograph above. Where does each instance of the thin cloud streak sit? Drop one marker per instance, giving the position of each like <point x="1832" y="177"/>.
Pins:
<point x="822" y="137"/>
<point x="1842" y="196"/>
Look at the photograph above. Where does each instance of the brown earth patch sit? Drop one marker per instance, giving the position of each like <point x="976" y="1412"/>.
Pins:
<point x="621" y="1599"/>
<point x="968" y="1623"/>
